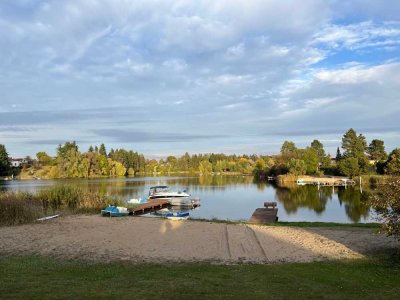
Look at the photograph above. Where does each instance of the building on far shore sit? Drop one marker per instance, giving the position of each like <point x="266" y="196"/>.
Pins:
<point x="18" y="162"/>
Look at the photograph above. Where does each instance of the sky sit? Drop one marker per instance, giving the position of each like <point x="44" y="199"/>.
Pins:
<point x="165" y="77"/>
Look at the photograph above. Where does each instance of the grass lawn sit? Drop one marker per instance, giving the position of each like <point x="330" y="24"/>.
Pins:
<point x="43" y="278"/>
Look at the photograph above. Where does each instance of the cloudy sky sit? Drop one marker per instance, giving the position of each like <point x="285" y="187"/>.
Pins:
<point x="169" y="76"/>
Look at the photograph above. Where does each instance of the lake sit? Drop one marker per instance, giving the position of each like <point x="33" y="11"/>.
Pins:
<point x="232" y="197"/>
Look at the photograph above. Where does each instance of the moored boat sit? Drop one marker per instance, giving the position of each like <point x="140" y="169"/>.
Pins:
<point x="174" y="198"/>
<point x="177" y="215"/>
<point x="115" y="211"/>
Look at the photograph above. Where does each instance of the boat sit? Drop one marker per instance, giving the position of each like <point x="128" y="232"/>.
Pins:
<point x="174" y="198"/>
<point x="177" y="215"/>
<point x="135" y="201"/>
<point x="115" y="211"/>
<point x="300" y="182"/>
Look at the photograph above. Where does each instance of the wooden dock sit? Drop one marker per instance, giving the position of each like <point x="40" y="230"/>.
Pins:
<point x="148" y="207"/>
<point x="268" y="214"/>
<point x="325" y="180"/>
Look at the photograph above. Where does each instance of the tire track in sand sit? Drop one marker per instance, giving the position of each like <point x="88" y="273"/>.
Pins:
<point x="257" y="241"/>
<point x="228" y="248"/>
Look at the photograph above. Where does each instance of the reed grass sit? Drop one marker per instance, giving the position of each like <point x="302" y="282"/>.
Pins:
<point x="23" y="207"/>
<point x="19" y="208"/>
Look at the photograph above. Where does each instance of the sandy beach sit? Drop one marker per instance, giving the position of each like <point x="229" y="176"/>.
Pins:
<point x="141" y="239"/>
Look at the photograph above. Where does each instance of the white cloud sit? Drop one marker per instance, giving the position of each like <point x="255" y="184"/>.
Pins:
<point x="362" y="74"/>
<point x="360" y="35"/>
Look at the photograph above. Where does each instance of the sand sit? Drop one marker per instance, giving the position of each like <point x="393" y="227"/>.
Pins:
<point x="141" y="239"/>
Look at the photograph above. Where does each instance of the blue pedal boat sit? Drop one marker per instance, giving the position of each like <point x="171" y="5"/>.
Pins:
<point x="115" y="211"/>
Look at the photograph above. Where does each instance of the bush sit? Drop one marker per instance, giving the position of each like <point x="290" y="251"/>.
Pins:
<point x="386" y="201"/>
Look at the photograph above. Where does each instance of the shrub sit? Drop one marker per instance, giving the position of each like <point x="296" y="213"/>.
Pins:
<point x="386" y="201"/>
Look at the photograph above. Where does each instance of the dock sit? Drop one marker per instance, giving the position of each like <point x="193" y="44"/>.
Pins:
<point x="148" y="207"/>
<point x="327" y="180"/>
<point x="267" y="214"/>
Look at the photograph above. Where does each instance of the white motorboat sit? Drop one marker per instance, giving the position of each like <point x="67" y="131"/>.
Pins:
<point x="174" y="198"/>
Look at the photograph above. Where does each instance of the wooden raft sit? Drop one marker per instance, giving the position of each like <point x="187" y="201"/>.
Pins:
<point x="268" y="214"/>
<point x="149" y="206"/>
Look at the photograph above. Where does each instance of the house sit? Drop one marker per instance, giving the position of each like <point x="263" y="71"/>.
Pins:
<point x="18" y="162"/>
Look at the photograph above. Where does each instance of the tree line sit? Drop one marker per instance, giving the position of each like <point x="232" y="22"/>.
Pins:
<point x="357" y="157"/>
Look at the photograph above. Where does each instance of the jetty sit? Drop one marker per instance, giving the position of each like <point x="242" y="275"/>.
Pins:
<point x="152" y="205"/>
<point x="325" y="180"/>
<point x="267" y="214"/>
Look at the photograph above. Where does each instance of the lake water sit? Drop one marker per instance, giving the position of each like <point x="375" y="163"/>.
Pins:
<point x="232" y="197"/>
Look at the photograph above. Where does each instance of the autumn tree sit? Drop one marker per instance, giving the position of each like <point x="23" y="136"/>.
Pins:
<point x="205" y="167"/>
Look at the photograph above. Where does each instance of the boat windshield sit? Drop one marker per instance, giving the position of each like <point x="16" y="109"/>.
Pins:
<point x="159" y="189"/>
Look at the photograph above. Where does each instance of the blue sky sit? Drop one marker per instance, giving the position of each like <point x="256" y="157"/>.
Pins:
<point x="166" y="77"/>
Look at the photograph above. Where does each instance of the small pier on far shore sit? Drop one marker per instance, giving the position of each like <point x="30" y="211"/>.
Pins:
<point x="267" y="214"/>
<point x="325" y="180"/>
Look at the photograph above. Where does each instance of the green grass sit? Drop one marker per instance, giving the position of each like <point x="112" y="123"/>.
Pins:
<point x="327" y="224"/>
<point x="43" y="278"/>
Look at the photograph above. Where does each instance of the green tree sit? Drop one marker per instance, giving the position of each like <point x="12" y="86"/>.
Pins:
<point x="319" y="147"/>
<point x="288" y="147"/>
<point x="392" y="165"/>
<point x="5" y="166"/>
<point x="338" y="155"/>
<point x="353" y="145"/>
<point x="386" y="201"/>
<point x="376" y="150"/>
<point x="296" y="166"/>
<point x="43" y="158"/>
<point x="72" y="164"/>
<point x="102" y="150"/>
<point x="311" y="160"/>
<point x="63" y="150"/>
<point x="349" y="166"/>
<point x="91" y="149"/>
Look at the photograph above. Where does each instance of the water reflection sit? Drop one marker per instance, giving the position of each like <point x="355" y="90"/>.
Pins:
<point x="232" y="197"/>
<point x="316" y="199"/>
<point x="355" y="203"/>
<point x="302" y="196"/>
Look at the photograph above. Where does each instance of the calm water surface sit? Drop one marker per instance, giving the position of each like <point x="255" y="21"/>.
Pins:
<point x="232" y="197"/>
